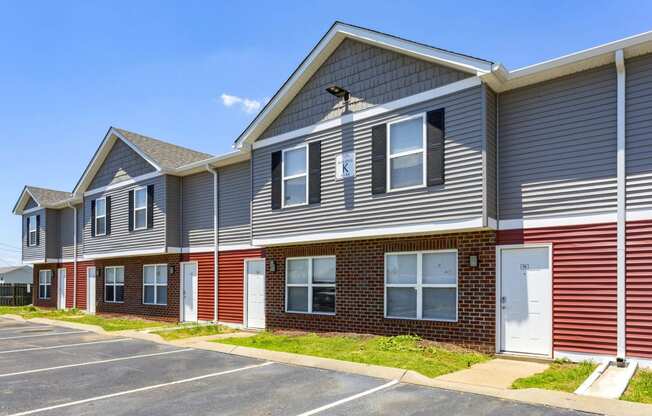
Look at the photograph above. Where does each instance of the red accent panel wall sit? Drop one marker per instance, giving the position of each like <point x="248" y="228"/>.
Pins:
<point x="81" y="283"/>
<point x="231" y="284"/>
<point x="584" y="284"/>
<point x="205" y="284"/>
<point x="639" y="289"/>
<point x="70" y="282"/>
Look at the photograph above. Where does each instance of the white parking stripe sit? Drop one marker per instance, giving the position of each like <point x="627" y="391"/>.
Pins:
<point x="18" y="328"/>
<point x="52" y="347"/>
<point x="348" y="399"/>
<point x="155" y="386"/>
<point x="45" y="335"/>
<point x="110" y="360"/>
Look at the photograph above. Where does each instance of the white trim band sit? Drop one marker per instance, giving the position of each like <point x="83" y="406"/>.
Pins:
<point x="118" y="185"/>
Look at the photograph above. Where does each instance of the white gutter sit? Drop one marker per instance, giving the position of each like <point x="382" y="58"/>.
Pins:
<point x="74" y="273"/>
<point x="621" y="215"/>
<point x="216" y="250"/>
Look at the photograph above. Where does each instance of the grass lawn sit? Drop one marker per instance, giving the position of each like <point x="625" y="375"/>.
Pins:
<point x="108" y="323"/>
<point x="640" y="388"/>
<point x="561" y="375"/>
<point x="193" y="331"/>
<point x="405" y="351"/>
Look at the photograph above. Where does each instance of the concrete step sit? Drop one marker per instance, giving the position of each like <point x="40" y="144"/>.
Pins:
<point x="608" y="381"/>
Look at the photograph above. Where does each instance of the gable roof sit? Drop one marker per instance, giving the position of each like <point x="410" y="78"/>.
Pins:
<point x="45" y="198"/>
<point x="163" y="156"/>
<point x="328" y="43"/>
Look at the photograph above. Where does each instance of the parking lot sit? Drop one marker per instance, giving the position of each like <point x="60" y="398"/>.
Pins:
<point x="59" y="371"/>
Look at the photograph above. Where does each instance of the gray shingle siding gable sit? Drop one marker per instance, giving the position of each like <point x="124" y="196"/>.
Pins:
<point x="234" y="203"/>
<point x="639" y="132"/>
<point x="197" y="210"/>
<point x="349" y="204"/>
<point x="373" y="76"/>
<point x="31" y="203"/>
<point x="121" y="164"/>
<point x="34" y="252"/>
<point x="557" y="146"/>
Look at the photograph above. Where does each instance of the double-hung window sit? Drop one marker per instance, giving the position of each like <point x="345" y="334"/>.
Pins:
<point x="421" y="285"/>
<point x="44" y="284"/>
<point x="155" y="284"/>
<point x="100" y="216"/>
<point x="406" y="153"/>
<point x="32" y="231"/>
<point x="140" y="208"/>
<point x="114" y="284"/>
<point x="310" y="285"/>
<point x="295" y="176"/>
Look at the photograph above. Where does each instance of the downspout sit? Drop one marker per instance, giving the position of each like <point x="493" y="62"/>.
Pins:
<point x="74" y="257"/>
<point x="216" y="250"/>
<point x="621" y="205"/>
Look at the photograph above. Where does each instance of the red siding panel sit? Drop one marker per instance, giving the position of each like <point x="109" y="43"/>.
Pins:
<point x="639" y="289"/>
<point x="584" y="284"/>
<point x="81" y="283"/>
<point x="70" y="282"/>
<point x="205" y="284"/>
<point x="231" y="284"/>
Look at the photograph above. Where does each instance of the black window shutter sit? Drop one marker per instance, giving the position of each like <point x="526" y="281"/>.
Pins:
<point x="150" y="206"/>
<point x="131" y="210"/>
<point x="435" y="150"/>
<point x="108" y="215"/>
<point x="379" y="159"/>
<point x="93" y="218"/>
<point x="314" y="173"/>
<point x="27" y="230"/>
<point x="277" y="178"/>
<point x="38" y="230"/>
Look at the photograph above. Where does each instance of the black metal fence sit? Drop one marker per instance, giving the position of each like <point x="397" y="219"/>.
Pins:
<point x="15" y="294"/>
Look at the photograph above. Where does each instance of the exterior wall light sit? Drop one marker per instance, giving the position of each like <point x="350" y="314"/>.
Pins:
<point x="473" y="261"/>
<point x="338" y="92"/>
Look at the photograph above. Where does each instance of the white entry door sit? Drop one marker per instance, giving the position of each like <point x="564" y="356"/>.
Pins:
<point x="189" y="292"/>
<point x="526" y="300"/>
<point x="61" y="289"/>
<point x="90" y="290"/>
<point x="255" y="293"/>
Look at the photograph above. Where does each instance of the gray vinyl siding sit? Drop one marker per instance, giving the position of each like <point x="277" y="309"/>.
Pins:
<point x="234" y="203"/>
<point x="173" y="201"/>
<point x="349" y="204"/>
<point x="639" y="132"/>
<point x="491" y="153"/>
<point x="121" y="164"/>
<point x="371" y="74"/>
<point x="121" y="239"/>
<point x="34" y="252"/>
<point x="558" y="146"/>
<point x="53" y="234"/>
<point x="31" y="204"/>
<point x="67" y="233"/>
<point x="197" y="210"/>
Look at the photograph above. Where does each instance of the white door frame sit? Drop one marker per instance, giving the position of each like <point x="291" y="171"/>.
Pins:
<point x="61" y="289"/>
<point x="499" y="323"/>
<point x="91" y="301"/>
<point x="245" y="303"/>
<point x="194" y="289"/>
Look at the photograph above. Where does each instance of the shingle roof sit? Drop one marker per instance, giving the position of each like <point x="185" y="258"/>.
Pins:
<point x="166" y="155"/>
<point x="46" y="196"/>
<point x="11" y="269"/>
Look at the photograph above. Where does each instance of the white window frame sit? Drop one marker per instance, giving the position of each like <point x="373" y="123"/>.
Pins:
<point x="156" y="285"/>
<point x="114" y="284"/>
<point x="97" y="217"/>
<point x="141" y="188"/>
<point x="309" y="284"/>
<point x="46" y="273"/>
<point x="390" y="156"/>
<point x="32" y="223"/>
<point x="284" y="178"/>
<point x="419" y="285"/>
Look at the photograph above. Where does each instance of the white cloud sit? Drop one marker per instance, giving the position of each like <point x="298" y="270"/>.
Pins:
<point x="247" y="105"/>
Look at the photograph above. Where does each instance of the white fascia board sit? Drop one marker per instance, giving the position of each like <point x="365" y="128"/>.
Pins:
<point x="22" y="200"/>
<point x="556" y="221"/>
<point x="374" y="111"/>
<point x="469" y="224"/>
<point x="123" y="183"/>
<point x="234" y="247"/>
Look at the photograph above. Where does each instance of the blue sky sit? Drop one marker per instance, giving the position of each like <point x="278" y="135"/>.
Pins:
<point x="71" y="69"/>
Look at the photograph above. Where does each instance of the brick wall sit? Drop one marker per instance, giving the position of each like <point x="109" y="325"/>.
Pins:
<point x="52" y="301"/>
<point x="360" y="289"/>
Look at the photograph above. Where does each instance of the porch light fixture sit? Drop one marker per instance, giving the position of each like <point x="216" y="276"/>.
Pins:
<point x="473" y="261"/>
<point x="170" y="271"/>
<point x="338" y="92"/>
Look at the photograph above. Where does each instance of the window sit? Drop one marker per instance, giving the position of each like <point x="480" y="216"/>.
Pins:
<point x="295" y="176"/>
<point x="44" y="284"/>
<point x="100" y="216"/>
<point x="421" y="285"/>
<point x="155" y="284"/>
<point x="140" y="208"/>
<point x="32" y="231"/>
<point x="310" y="285"/>
<point x="114" y="284"/>
<point x="406" y="162"/>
